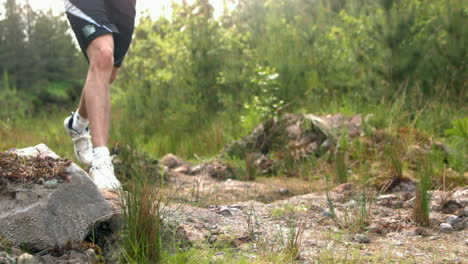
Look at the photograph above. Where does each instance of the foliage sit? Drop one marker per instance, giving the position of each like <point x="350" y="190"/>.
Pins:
<point x="38" y="60"/>
<point x="458" y="140"/>
<point x="141" y="206"/>
<point x="265" y="57"/>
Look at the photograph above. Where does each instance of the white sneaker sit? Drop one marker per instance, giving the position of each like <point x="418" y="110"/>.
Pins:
<point x="102" y="173"/>
<point x="81" y="142"/>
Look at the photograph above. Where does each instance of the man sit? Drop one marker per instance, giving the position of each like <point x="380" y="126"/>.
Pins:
<point x="104" y="31"/>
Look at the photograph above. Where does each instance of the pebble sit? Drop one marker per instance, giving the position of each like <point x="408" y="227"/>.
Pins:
<point x="463" y="212"/>
<point x="224" y="211"/>
<point x="360" y="238"/>
<point x="91" y="253"/>
<point x="445" y="228"/>
<point x="25" y="258"/>
<point x="453" y="219"/>
<point x="399" y="243"/>
<point x="284" y="191"/>
<point x="327" y="213"/>
<point x="213" y="239"/>
<point x="237" y="206"/>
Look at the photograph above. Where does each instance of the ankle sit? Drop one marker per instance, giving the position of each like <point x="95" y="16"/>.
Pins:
<point x="79" y="123"/>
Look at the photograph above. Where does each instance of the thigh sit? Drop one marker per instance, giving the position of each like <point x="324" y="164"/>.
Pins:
<point x="89" y="20"/>
<point x="122" y="14"/>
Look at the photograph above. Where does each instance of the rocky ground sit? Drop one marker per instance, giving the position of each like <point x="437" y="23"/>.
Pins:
<point x="50" y="209"/>
<point x="388" y="234"/>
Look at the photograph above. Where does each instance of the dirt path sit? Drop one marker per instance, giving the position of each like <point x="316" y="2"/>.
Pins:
<point x="234" y="212"/>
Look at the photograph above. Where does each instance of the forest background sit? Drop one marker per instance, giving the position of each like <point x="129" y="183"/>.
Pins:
<point x="193" y="82"/>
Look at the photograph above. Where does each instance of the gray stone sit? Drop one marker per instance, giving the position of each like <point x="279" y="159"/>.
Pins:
<point x="453" y="219"/>
<point x="40" y="218"/>
<point x="463" y="212"/>
<point x="224" y="211"/>
<point x="360" y="238"/>
<point x="327" y="213"/>
<point x="91" y="253"/>
<point x="445" y="228"/>
<point x="237" y="206"/>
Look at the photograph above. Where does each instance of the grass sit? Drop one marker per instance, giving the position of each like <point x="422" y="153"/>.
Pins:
<point x="421" y="204"/>
<point x="141" y="240"/>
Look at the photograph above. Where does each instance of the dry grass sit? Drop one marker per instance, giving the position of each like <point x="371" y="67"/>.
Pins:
<point x="22" y="169"/>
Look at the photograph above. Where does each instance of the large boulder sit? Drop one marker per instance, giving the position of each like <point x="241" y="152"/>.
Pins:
<point x="46" y="201"/>
<point x="292" y="137"/>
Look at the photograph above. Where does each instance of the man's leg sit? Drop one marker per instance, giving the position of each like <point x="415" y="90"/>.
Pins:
<point x="82" y="108"/>
<point x="95" y="101"/>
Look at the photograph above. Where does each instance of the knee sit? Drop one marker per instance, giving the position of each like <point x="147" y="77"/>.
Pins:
<point x="102" y="58"/>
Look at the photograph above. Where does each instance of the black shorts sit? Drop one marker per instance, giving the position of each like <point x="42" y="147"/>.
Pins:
<point x="90" y="19"/>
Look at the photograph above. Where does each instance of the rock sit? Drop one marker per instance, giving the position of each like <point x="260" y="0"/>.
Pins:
<point x="294" y="131"/>
<point x="389" y="200"/>
<point x="360" y="238"/>
<point x="219" y="170"/>
<point x="461" y="194"/>
<point x="239" y="241"/>
<point x="343" y="187"/>
<point x="463" y="212"/>
<point x="405" y="186"/>
<point x="306" y="133"/>
<point x="224" y="211"/>
<point x="376" y="229"/>
<point x="213" y="239"/>
<point x="26" y="259"/>
<point x="419" y="231"/>
<point x="184" y="169"/>
<point x="449" y="207"/>
<point x="263" y="164"/>
<point x="445" y="228"/>
<point x="387" y="197"/>
<point x="91" y="253"/>
<point x="69" y="257"/>
<point x="216" y="169"/>
<point x="186" y="233"/>
<point x="328" y="213"/>
<point x="237" y="206"/>
<point x="172" y="161"/>
<point x="453" y="219"/>
<point x="197" y="169"/>
<point x="41" y="218"/>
